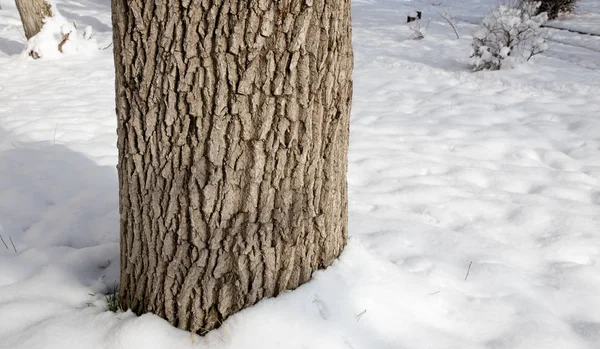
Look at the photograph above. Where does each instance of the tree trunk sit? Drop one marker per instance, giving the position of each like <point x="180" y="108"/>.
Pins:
<point x="233" y="136"/>
<point x="32" y="14"/>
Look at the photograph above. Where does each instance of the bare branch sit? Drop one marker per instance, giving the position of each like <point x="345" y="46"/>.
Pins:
<point x="448" y="17"/>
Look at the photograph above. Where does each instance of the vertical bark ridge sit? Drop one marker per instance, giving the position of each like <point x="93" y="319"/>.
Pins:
<point x="233" y="132"/>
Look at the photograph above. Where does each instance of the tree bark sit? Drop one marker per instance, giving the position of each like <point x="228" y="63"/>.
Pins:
<point x="233" y="124"/>
<point x="32" y="14"/>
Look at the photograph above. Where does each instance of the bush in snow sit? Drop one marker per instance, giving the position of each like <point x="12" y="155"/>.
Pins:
<point x="554" y="8"/>
<point x="418" y="29"/>
<point x="58" y="36"/>
<point x="507" y="34"/>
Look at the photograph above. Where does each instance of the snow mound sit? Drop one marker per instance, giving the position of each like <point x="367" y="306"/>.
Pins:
<point x="57" y="37"/>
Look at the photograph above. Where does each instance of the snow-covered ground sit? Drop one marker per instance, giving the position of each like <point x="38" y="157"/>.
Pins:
<point x="585" y="20"/>
<point x="474" y="198"/>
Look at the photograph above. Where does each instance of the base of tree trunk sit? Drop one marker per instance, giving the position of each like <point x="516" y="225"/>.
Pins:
<point x="233" y="125"/>
<point x="32" y="14"/>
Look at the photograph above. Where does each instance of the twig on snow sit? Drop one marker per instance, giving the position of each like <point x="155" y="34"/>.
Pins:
<point x="360" y="315"/>
<point x="5" y="245"/>
<point x="107" y="46"/>
<point x="23" y="34"/>
<point x="468" y="270"/>
<point x="13" y="244"/>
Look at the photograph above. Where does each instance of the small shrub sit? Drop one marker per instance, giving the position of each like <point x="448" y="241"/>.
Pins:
<point x="418" y="29"/>
<point x="112" y="299"/>
<point x="508" y="33"/>
<point x="554" y="8"/>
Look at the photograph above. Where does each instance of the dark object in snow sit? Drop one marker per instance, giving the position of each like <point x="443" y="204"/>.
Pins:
<point x="413" y="16"/>
<point x="554" y="8"/>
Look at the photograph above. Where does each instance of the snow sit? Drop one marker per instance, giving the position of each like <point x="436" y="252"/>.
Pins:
<point x="587" y="23"/>
<point x="585" y="19"/>
<point x="474" y="198"/>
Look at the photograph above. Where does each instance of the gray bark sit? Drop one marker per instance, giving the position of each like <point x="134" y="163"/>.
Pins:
<point x="233" y="124"/>
<point x="32" y="14"/>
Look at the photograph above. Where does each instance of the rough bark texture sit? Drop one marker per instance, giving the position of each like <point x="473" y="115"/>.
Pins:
<point x="32" y="14"/>
<point x="233" y="136"/>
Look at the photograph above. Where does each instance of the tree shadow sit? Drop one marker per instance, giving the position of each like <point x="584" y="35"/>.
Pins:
<point x="51" y="195"/>
<point x="59" y="219"/>
<point x="96" y="24"/>
<point x="94" y="5"/>
<point x="95" y="13"/>
<point x="61" y="210"/>
<point x="11" y="47"/>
